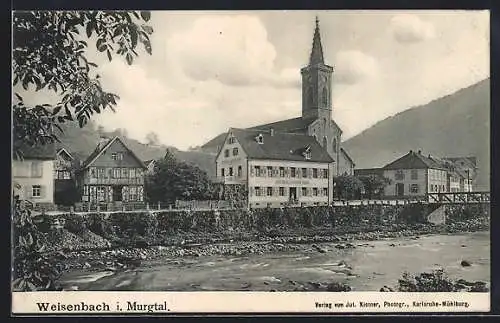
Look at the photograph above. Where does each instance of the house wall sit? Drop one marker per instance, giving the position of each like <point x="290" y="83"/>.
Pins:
<point x="407" y="181"/>
<point x="24" y="175"/>
<point x="437" y="181"/>
<point x="282" y="178"/>
<point x="232" y="161"/>
<point x="346" y="167"/>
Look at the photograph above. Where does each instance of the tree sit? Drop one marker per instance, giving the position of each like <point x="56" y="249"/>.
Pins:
<point x="347" y="186"/>
<point x="152" y="139"/>
<point x="49" y="53"/>
<point x="374" y="184"/>
<point x="176" y="180"/>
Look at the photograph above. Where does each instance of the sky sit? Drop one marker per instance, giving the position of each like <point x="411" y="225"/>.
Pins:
<point x="213" y="70"/>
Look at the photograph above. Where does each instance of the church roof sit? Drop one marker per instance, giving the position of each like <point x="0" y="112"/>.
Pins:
<point x="280" y="146"/>
<point x="317" y="49"/>
<point x="288" y="125"/>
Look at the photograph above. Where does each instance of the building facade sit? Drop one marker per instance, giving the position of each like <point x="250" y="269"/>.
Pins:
<point x="276" y="169"/>
<point x="112" y="173"/>
<point x="32" y="175"/>
<point x="416" y="175"/>
<point x="317" y="106"/>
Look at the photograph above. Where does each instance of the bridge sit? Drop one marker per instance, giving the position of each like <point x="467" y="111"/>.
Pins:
<point x="430" y="198"/>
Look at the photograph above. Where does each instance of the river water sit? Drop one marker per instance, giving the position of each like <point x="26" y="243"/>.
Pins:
<point x="368" y="267"/>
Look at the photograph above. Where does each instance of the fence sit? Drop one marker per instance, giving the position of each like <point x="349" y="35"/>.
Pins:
<point x="203" y="205"/>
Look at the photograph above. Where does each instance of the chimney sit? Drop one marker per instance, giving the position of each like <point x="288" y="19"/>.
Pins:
<point x="272" y="132"/>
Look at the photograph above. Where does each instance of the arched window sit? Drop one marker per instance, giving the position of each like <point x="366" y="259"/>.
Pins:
<point x="325" y="142"/>
<point x="334" y="144"/>
<point x="325" y="96"/>
<point x="310" y="99"/>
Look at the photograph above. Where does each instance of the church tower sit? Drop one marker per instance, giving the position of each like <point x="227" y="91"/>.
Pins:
<point x="317" y="83"/>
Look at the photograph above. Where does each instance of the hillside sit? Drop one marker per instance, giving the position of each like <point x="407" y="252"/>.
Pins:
<point x="82" y="141"/>
<point x="454" y="125"/>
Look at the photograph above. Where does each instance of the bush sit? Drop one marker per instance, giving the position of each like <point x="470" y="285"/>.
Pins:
<point x="76" y="224"/>
<point x="437" y="281"/>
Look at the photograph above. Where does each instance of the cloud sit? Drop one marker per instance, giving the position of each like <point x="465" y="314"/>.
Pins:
<point x="232" y="49"/>
<point x="408" y="28"/>
<point x="353" y="66"/>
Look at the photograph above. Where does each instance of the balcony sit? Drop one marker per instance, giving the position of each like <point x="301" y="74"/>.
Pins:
<point x="113" y="181"/>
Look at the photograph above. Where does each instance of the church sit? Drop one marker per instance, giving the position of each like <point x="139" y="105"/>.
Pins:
<point x="316" y="119"/>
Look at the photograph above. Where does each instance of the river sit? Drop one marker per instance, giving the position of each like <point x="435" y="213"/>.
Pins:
<point x="368" y="267"/>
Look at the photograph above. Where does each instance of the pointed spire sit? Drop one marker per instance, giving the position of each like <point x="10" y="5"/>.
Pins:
<point x="317" y="50"/>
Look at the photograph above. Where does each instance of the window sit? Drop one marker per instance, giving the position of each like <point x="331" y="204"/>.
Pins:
<point x="293" y="172"/>
<point x="222" y="172"/>
<point x="315" y="173"/>
<point x="325" y="191"/>
<point x="414" y="174"/>
<point x="260" y="139"/>
<point x="269" y="171"/>
<point x="325" y="173"/>
<point x="257" y="171"/>
<point x="269" y="191"/>
<point x="132" y="173"/>
<point x="114" y="156"/>
<point x="334" y="145"/>
<point x="133" y="193"/>
<point x="315" y="191"/>
<point x="304" y="191"/>
<point x="282" y="191"/>
<point x="124" y="172"/>
<point x="36" y="191"/>
<point x="120" y="156"/>
<point x="414" y="188"/>
<point x="231" y="140"/>
<point x="226" y="153"/>
<point x="307" y="155"/>
<point x="116" y="173"/>
<point x="282" y="171"/>
<point x="257" y="191"/>
<point x="93" y="172"/>
<point x="230" y="171"/>
<point x="101" y="172"/>
<point x="400" y="175"/>
<point x="235" y="152"/>
<point x="239" y="171"/>
<point x="325" y="96"/>
<point x="304" y="172"/>
<point x="36" y="169"/>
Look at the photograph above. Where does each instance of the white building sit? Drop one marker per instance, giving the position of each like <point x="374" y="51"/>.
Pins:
<point x="33" y="174"/>
<point x="276" y="169"/>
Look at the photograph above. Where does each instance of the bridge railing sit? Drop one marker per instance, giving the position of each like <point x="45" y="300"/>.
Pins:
<point x="459" y="197"/>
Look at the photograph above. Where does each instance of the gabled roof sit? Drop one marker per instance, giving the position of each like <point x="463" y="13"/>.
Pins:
<point x="42" y="152"/>
<point x="344" y="152"/>
<point x="102" y="148"/>
<point x="148" y="162"/>
<point x="280" y="146"/>
<point x="469" y="161"/>
<point x="63" y="150"/>
<point x="415" y="160"/>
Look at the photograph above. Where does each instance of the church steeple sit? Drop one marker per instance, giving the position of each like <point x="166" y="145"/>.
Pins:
<point x="316" y="82"/>
<point x="317" y="50"/>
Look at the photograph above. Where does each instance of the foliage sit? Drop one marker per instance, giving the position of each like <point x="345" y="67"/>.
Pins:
<point x="33" y="269"/>
<point x="175" y="180"/>
<point x="152" y="138"/>
<point x="435" y="281"/>
<point x="76" y="224"/>
<point x="347" y="186"/>
<point x="374" y="184"/>
<point x="49" y="53"/>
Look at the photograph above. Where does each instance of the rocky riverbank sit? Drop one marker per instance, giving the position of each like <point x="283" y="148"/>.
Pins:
<point x="90" y="251"/>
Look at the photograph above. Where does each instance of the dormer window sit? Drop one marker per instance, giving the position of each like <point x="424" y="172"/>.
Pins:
<point x="260" y="139"/>
<point x="307" y="153"/>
